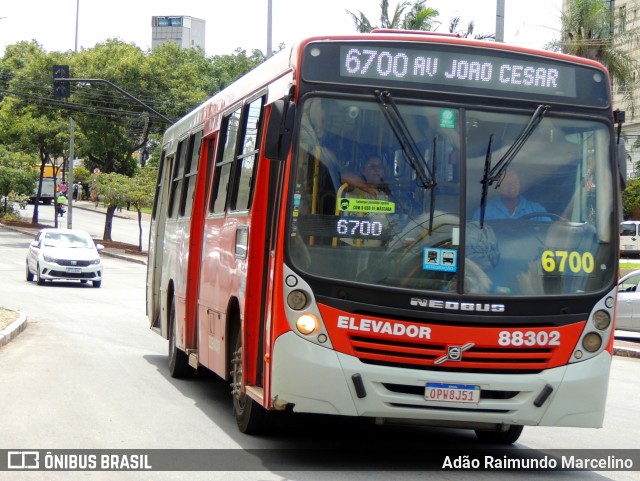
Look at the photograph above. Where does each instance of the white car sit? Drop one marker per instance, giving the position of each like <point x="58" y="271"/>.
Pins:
<point x="66" y="255"/>
<point x="628" y="308"/>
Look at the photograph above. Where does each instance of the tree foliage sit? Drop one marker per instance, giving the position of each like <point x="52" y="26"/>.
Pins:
<point x="406" y="16"/>
<point x="631" y="200"/>
<point x="15" y="181"/>
<point x="141" y="190"/>
<point x="588" y="31"/>
<point x="111" y="129"/>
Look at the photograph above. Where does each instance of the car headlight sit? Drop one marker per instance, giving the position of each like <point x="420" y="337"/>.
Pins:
<point x="49" y="258"/>
<point x="95" y="261"/>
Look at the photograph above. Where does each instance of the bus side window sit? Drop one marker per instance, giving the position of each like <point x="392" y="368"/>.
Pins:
<point x="191" y="169"/>
<point x="176" y="182"/>
<point x="247" y="158"/>
<point x="159" y="182"/>
<point x="222" y="174"/>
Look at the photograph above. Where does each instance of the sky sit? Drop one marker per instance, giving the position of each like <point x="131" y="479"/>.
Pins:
<point x="243" y="23"/>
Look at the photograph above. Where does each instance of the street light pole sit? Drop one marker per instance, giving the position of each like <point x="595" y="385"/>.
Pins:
<point x="500" y="21"/>
<point x="72" y="132"/>
<point x="269" y="21"/>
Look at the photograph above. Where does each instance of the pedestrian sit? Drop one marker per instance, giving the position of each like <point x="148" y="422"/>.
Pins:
<point x="61" y="203"/>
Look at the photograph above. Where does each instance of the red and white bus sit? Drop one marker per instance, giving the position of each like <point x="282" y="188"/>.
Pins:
<point x="440" y="294"/>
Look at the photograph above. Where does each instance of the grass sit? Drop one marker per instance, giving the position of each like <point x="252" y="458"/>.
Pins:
<point x="629" y="265"/>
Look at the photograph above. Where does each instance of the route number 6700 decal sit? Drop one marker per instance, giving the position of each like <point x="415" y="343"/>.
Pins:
<point x="564" y="261"/>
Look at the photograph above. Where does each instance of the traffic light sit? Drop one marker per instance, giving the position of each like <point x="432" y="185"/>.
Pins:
<point x="61" y="89"/>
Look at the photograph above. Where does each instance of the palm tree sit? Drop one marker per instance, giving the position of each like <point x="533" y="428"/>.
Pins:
<point x="454" y="23"/>
<point x="588" y="31"/>
<point x="418" y="17"/>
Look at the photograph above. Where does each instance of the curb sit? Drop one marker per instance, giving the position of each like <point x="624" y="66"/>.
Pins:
<point x="626" y="352"/>
<point x="12" y="330"/>
<point x="123" y="257"/>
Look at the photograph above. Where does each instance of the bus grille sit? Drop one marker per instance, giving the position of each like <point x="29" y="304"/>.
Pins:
<point x="475" y="359"/>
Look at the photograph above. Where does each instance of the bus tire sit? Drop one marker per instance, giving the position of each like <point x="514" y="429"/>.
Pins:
<point x="178" y="359"/>
<point x="509" y="436"/>
<point x="251" y="417"/>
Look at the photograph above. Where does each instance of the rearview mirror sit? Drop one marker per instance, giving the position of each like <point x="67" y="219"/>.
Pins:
<point x="279" y="130"/>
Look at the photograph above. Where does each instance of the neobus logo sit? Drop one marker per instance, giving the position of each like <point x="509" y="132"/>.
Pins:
<point x="456" y="306"/>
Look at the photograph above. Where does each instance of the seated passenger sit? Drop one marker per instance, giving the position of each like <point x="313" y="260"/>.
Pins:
<point x="509" y="204"/>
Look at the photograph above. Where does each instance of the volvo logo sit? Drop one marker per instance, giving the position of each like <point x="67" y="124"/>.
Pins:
<point x="454" y="353"/>
<point x="456" y="306"/>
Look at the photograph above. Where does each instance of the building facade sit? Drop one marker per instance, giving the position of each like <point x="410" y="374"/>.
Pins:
<point x="627" y="18"/>
<point x="184" y="31"/>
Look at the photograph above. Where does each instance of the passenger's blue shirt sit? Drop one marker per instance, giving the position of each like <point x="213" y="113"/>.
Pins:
<point x="496" y="209"/>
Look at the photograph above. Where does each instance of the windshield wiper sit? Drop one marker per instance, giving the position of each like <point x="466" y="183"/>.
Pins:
<point x="408" y="144"/>
<point x="485" y="181"/>
<point x="496" y="174"/>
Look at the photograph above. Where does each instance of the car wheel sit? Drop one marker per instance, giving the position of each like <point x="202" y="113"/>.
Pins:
<point x="29" y="274"/>
<point x="40" y="281"/>
<point x="97" y="283"/>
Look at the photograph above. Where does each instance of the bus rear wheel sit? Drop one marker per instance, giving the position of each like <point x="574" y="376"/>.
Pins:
<point x="250" y="416"/>
<point x="509" y="436"/>
<point x="178" y="360"/>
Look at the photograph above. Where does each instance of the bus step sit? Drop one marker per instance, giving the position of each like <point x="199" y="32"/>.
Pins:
<point x="255" y="392"/>
<point x="193" y="358"/>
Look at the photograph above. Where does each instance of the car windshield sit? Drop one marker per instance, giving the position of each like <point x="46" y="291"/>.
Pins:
<point x="63" y="239"/>
<point x="361" y="212"/>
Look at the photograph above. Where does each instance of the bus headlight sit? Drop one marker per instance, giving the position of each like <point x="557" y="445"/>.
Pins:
<point x="592" y="342"/>
<point x="602" y="320"/>
<point x="307" y="323"/>
<point x="297" y="300"/>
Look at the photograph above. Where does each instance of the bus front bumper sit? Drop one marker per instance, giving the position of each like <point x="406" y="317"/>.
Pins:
<point x="318" y="380"/>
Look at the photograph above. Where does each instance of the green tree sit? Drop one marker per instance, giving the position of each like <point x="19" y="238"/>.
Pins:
<point x="141" y="190"/>
<point x="170" y="80"/>
<point x="15" y="181"/>
<point x="31" y="121"/>
<point x="82" y="175"/>
<point x="454" y="27"/>
<point x="113" y="190"/>
<point x="229" y="68"/>
<point x="631" y="199"/>
<point x="418" y="17"/>
<point x="588" y="31"/>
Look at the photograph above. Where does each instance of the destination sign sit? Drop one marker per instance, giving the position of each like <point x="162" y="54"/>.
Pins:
<point x="458" y="69"/>
<point x="463" y="69"/>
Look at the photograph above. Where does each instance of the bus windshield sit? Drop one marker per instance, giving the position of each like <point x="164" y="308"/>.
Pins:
<point x="396" y="199"/>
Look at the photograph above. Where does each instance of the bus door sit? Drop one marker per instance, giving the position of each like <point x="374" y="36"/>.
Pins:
<point x="629" y="239"/>
<point x="156" y="242"/>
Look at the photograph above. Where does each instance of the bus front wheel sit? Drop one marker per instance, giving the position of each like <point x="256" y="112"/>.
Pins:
<point x="250" y="416"/>
<point x="509" y="436"/>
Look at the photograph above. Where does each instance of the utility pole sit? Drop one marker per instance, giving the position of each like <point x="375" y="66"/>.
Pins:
<point x="72" y="134"/>
<point x="269" y="22"/>
<point x="500" y="21"/>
